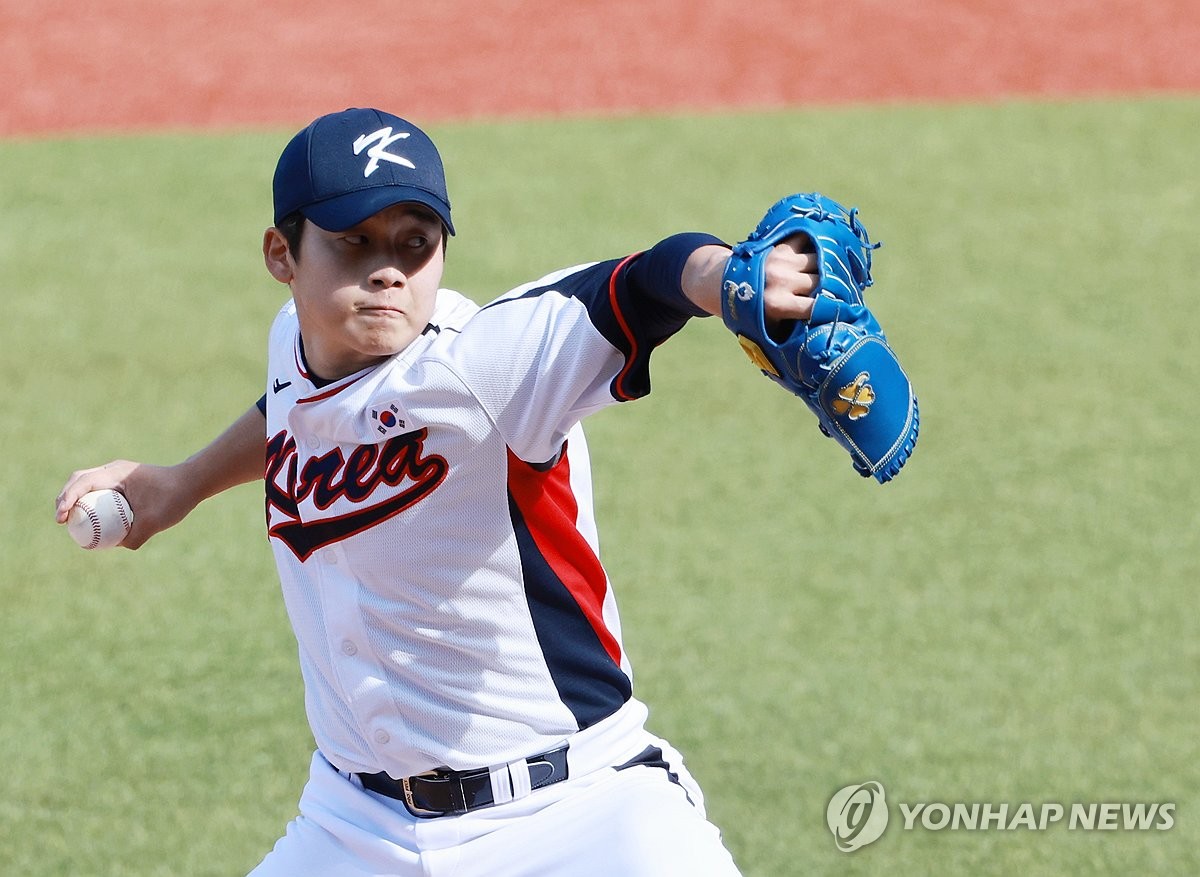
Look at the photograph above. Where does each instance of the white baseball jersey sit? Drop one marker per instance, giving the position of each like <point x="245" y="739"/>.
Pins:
<point x="431" y="519"/>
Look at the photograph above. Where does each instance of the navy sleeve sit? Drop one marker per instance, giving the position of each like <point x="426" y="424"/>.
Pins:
<point x="262" y="404"/>
<point x="656" y="276"/>
<point x="649" y="306"/>
<point x="636" y="303"/>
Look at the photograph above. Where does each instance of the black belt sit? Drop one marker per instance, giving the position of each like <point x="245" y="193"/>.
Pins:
<point x="445" y="792"/>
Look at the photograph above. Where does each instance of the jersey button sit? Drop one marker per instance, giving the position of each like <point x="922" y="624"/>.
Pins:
<point x="314" y="442"/>
<point x="330" y="556"/>
<point x="349" y="648"/>
<point x="382" y="736"/>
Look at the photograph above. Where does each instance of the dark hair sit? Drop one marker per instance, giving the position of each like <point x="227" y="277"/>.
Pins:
<point x="292" y="229"/>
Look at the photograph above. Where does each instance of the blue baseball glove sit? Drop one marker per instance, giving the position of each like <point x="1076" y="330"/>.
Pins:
<point x="838" y="361"/>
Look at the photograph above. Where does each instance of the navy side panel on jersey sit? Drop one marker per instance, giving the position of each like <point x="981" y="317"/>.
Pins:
<point x="565" y="586"/>
<point x="636" y="303"/>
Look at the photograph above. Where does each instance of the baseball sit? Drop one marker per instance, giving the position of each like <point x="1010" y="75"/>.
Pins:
<point x="101" y="519"/>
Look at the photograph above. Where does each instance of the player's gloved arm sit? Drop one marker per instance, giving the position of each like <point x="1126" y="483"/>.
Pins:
<point x="650" y="296"/>
<point x="792" y="293"/>
<point x="162" y="496"/>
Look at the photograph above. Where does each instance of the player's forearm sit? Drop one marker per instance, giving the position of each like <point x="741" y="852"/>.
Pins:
<point x="232" y="458"/>
<point x="162" y="496"/>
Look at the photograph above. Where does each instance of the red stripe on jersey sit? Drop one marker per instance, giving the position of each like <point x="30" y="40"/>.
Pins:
<point x="619" y="383"/>
<point x="549" y="509"/>
<point x="331" y="391"/>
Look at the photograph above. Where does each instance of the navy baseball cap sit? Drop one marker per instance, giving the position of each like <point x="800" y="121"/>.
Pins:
<point x="347" y="166"/>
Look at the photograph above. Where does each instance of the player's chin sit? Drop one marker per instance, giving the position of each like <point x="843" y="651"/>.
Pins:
<point x="387" y="338"/>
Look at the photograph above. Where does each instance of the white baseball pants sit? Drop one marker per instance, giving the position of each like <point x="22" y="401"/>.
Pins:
<point x="642" y="820"/>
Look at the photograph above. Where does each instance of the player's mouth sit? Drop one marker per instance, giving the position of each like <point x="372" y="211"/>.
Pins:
<point x="380" y="311"/>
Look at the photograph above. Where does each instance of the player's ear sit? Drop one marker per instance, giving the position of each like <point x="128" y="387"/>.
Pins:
<point x="277" y="256"/>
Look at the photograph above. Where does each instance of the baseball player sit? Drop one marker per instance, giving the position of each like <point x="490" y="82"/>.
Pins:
<point x="428" y="503"/>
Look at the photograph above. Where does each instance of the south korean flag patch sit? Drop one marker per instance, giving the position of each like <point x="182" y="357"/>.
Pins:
<point x="387" y="420"/>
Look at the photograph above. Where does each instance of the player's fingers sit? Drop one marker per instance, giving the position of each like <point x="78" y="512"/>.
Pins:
<point x="791" y="273"/>
<point x="798" y="272"/>
<point x="791" y="280"/>
<point x="790" y="259"/>
<point x="781" y="312"/>
<point x="84" y="481"/>
<point x="799" y="243"/>
<point x="781" y="322"/>
<point x="69" y="495"/>
<point x="76" y="486"/>
<point x="795" y="308"/>
<point x="806" y="263"/>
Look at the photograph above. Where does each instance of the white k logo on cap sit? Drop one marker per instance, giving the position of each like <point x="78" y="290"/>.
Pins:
<point x="378" y="152"/>
<point x="346" y="166"/>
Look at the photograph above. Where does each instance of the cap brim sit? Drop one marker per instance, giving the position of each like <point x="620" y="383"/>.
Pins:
<point x="348" y="210"/>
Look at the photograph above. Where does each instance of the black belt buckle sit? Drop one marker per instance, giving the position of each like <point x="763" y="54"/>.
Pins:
<point x="416" y="809"/>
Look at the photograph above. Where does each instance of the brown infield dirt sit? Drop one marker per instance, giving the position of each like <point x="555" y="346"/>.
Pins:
<point x="119" y="65"/>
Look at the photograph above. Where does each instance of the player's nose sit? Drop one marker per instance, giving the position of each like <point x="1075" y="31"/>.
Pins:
<point x="386" y="277"/>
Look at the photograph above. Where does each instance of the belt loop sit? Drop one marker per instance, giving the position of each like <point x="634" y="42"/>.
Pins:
<point x="502" y="785"/>
<point x="518" y="772"/>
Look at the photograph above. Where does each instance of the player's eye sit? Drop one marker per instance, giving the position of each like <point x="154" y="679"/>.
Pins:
<point x="418" y="242"/>
<point x="355" y="240"/>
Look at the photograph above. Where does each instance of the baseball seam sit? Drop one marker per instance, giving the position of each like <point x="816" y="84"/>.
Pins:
<point x="94" y="519"/>
<point x="123" y="510"/>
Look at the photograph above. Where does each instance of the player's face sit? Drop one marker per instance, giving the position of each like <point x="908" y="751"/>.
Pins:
<point x="364" y="294"/>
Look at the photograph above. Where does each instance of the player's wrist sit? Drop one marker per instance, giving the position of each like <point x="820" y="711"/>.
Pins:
<point x="702" y="273"/>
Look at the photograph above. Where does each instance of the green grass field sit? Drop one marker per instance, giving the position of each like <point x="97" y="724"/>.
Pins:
<point x="1013" y="620"/>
